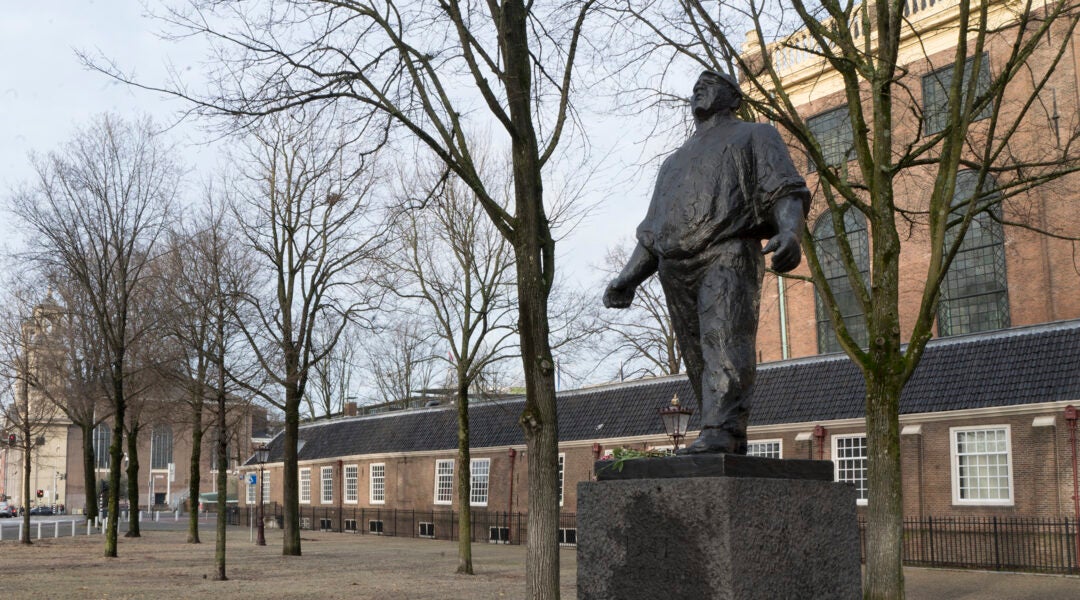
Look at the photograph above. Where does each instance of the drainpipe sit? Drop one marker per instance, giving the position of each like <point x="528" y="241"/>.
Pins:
<point x="341" y="496"/>
<point x="512" y="454"/>
<point x="784" y="353"/>
<point x="819" y="435"/>
<point x="1070" y="419"/>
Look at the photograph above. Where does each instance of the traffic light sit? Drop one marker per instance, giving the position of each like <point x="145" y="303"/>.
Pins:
<point x="40" y="493"/>
<point x="11" y="438"/>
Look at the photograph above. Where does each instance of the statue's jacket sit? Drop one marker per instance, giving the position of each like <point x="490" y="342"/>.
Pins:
<point x="721" y="184"/>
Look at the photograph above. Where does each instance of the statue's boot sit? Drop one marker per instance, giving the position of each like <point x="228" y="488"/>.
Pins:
<point x="715" y="441"/>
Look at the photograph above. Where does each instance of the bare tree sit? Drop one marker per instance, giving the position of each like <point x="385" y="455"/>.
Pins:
<point x="403" y="360"/>
<point x="333" y="376"/>
<point x="208" y="271"/>
<point x="27" y="409"/>
<point x="305" y="215"/>
<point x="926" y="174"/>
<point x="641" y="339"/>
<point x="450" y="259"/>
<point x="98" y="208"/>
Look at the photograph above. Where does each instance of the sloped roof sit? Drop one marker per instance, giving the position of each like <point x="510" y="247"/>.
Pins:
<point x="1009" y="367"/>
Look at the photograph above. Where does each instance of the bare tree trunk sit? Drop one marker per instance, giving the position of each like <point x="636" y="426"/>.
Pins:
<point x="464" y="478"/>
<point x="534" y="255"/>
<point x="290" y="485"/>
<point x="27" y="461"/>
<point x="116" y="455"/>
<point x="133" y="484"/>
<point x="222" y="487"/>
<point x="89" y="470"/>
<point x="196" y="453"/>
<point x="884" y="529"/>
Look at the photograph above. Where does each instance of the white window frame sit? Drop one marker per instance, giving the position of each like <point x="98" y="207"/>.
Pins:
<point x="351" y="484"/>
<point x="836" y="461"/>
<point x="266" y="487"/>
<point x="305" y="486"/>
<point x="779" y="446"/>
<point x="449" y="475"/>
<point x="475" y="498"/>
<point x="954" y="461"/>
<point x="326" y="485"/>
<point x="562" y="478"/>
<point x="379" y="498"/>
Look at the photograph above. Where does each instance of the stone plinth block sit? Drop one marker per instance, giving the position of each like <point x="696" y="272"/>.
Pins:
<point x="704" y="538"/>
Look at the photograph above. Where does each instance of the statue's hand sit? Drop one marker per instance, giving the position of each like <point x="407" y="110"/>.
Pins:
<point x="786" y="251"/>
<point x="618" y="295"/>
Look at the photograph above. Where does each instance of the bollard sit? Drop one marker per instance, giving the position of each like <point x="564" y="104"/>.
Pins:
<point x="20" y="529"/>
<point x="157" y="515"/>
<point x="88" y="526"/>
<point x="56" y="529"/>
<point x="104" y="525"/>
<point x="39" y="530"/>
<point x="73" y="528"/>
<point x="176" y="517"/>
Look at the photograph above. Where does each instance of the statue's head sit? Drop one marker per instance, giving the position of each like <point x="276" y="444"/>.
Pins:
<point x="714" y="92"/>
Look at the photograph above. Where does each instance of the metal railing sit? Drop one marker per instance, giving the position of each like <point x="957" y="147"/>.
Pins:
<point x="486" y="526"/>
<point x="989" y="543"/>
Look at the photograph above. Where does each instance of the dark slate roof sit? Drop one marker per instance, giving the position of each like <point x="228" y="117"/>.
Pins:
<point x="1009" y="367"/>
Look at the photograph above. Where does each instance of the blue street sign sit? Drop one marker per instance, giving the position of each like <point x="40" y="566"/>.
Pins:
<point x="252" y="478"/>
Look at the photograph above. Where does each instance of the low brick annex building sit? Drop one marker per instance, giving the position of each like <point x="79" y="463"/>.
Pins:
<point x="983" y="433"/>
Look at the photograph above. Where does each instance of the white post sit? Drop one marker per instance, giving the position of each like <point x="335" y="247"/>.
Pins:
<point x="73" y="528"/>
<point x="20" y="529"/>
<point x="89" y="526"/>
<point x="39" y="530"/>
<point x="56" y="529"/>
<point x="104" y="525"/>
<point x="156" y="515"/>
<point x="177" y="516"/>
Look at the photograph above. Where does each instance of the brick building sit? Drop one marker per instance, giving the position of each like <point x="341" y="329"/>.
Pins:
<point x="983" y="433"/>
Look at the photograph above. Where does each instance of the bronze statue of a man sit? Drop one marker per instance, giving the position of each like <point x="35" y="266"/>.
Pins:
<point x="730" y="186"/>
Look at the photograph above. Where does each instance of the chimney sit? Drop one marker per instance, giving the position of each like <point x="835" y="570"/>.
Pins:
<point x="350" y="409"/>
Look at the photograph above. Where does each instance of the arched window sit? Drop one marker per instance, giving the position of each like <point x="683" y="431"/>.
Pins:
<point x="102" y="440"/>
<point x="832" y="266"/>
<point x="975" y="293"/>
<point x="161" y="447"/>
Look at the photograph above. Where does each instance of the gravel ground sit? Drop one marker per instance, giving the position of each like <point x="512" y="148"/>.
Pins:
<point x="161" y="566"/>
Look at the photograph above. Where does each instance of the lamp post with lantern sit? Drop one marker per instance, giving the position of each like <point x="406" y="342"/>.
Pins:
<point x="261" y="454"/>
<point x="676" y="419"/>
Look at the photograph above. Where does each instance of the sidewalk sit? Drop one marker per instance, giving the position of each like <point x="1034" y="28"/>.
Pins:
<point x="947" y="584"/>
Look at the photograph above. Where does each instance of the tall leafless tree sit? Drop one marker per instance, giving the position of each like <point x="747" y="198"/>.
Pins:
<point x="403" y="359"/>
<point x="333" y="383"/>
<point x="305" y="213"/>
<point x="450" y="259"/>
<point x="27" y="407"/>
<point x="904" y="168"/>
<point x="97" y="209"/>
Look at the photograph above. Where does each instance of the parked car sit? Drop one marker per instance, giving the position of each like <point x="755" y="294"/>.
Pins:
<point x="7" y="511"/>
<point x="41" y="510"/>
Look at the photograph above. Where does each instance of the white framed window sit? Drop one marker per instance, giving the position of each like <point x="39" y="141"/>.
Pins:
<point x="444" y="481"/>
<point x="765" y="448"/>
<point x="479" y="470"/>
<point x="562" y="471"/>
<point x="352" y="484"/>
<point x="377" y="483"/>
<point x="849" y="462"/>
<point x="251" y="493"/>
<point x="326" y="487"/>
<point x="982" y="465"/>
<point x="266" y="487"/>
<point x="305" y="486"/>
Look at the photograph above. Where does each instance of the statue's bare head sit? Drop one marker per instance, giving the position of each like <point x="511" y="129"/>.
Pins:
<point x="713" y="93"/>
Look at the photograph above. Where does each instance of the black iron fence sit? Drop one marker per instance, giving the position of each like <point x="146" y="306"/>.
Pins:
<point x="485" y="526"/>
<point x="989" y="543"/>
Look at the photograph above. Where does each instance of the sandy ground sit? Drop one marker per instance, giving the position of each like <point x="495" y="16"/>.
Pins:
<point x="160" y="566"/>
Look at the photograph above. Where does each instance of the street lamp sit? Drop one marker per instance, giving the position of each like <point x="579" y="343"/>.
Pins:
<point x="261" y="454"/>
<point x="676" y="419"/>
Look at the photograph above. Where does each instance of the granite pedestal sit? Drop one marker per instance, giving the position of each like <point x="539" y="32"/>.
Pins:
<point x="716" y="527"/>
